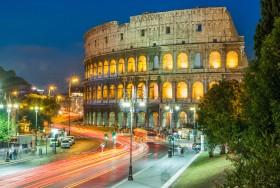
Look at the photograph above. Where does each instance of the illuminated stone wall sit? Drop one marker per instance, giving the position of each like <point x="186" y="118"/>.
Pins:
<point x="166" y="59"/>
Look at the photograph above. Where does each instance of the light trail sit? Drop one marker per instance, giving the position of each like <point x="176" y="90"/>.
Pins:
<point x="77" y="170"/>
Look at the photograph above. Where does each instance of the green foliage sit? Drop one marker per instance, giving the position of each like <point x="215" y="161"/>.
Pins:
<point x="219" y="113"/>
<point x="270" y="10"/>
<point x="49" y="109"/>
<point x="3" y="125"/>
<point x="258" y="160"/>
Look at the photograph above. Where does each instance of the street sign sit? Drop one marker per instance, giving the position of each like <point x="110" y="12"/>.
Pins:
<point x="102" y="145"/>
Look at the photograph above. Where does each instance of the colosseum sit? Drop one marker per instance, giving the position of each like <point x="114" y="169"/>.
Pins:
<point x="152" y="71"/>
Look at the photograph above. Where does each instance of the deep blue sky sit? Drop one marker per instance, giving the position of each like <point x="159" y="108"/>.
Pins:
<point x="42" y="41"/>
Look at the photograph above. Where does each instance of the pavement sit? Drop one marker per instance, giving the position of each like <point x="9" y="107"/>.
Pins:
<point x="162" y="174"/>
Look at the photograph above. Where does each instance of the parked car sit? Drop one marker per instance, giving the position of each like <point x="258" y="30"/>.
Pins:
<point x="65" y="144"/>
<point x="55" y="142"/>
<point x="72" y="138"/>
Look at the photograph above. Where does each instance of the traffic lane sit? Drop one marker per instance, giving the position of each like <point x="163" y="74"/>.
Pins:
<point x="156" y="153"/>
<point x="82" y="146"/>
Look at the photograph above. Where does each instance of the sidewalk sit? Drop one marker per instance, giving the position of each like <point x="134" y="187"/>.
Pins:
<point x="162" y="174"/>
<point x="27" y="154"/>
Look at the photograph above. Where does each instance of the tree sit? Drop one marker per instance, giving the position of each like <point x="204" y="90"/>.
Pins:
<point x="270" y="9"/>
<point x="258" y="160"/>
<point x="219" y="113"/>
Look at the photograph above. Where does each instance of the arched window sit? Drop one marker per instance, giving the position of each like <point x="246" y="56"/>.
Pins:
<point x="215" y="60"/>
<point x="197" y="61"/>
<point x="153" y="91"/>
<point x="182" y="61"/>
<point x="129" y="91"/>
<point x="90" y="70"/>
<point x="94" y="93"/>
<point x="95" y="69"/>
<point x="156" y="63"/>
<point x="112" y="92"/>
<point x="167" y="62"/>
<point x="120" y="91"/>
<point x="121" y="66"/>
<point x="167" y="91"/>
<point x="141" y="91"/>
<point x="232" y="60"/>
<point x="99" y="93"/>
<point x="113" y="67"/>
<point x="106" y="67"/>
<point x="212" y="84"/>
<point x="197" y="90"/>
<point x="142" y="64"/>
<point x="100" y="66"/>
<point x="89" y="93"/>
<point x="182" y="90"/>
<point x="183" y="118"/>
<point x="131" y="65"/>
<point x="105" y="92"/>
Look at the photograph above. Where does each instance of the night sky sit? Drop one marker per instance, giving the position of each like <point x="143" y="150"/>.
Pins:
<point x="42" y="41"/>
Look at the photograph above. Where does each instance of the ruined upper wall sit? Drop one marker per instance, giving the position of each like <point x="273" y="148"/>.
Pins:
<point x="199" y="25"/>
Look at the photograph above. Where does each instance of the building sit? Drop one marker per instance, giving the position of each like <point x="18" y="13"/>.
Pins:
<point x="166" y="59"/>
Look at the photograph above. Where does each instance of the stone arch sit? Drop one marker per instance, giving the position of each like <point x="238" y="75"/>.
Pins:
<point x="215" y="60"/>
<point x="183" y="119"/>
<point x="113" y="67"/>
<point x="99" y="69"/>
<point x="131" y="64"/>
<point x="121" y="66"/>
<point x="94" y="92"/>
<point x="112" y="92"/>
<point x="142" y="64"/>
<point x="182" y="61"/>
<point x="197" y="90"/>
<point x="141" y="91"/>
<point x="99" y="93"/>
<point x="129" y="91"/>
<point x="95" y="68"/>
<point x="105" y="119"/>
<point x="153" y="94"/>
<point x="112" y="119"/>
<point x="156" y="63"/>
<point x="105" y="92"/>
<point x="120" y="91"/>
<point x="153" y="120"/>
<point x="197" y="61"/>
<point x="167" y="62"/>
<point x="98" y="118"/>
<point x="167" y="90"/>
<point x="141" y="116"/>
<point x="182" y="90"/>
<point x="232" y="60"/>
<point x="106" y="67"/>
<point x="120" y="120"/>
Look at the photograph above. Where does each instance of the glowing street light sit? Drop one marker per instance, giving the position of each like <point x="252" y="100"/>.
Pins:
<point x="36" y="109"/>
<point x="132" y="106"/>
<point x="51" y="88"/>
<point x="73" y="80"/>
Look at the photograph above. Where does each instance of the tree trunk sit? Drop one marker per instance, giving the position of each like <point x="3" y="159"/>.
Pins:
<point x="223" y="149"/>
<point x="211" y="152"/>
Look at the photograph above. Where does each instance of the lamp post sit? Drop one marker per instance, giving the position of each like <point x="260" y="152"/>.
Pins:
<point x="36" y="109"/>
<point x="9" y="110"/>
<point x="131" y="105"/>
<point x="72" y="80"/>
<point x="171" y="109"/>
<point x="51" y="87"/>
<point x="194" y="110"/>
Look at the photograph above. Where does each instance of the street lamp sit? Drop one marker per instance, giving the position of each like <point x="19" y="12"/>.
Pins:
<point x="36" y="109"/>
<point x="51" y="87"/>
<point x="171" y="108"/>
<point x="131" y="105"/>
<point x="9" y="110"/>
<point x="73" y="80"/>
<point x="194" y="110"/>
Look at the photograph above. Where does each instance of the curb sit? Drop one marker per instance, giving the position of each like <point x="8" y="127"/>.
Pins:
<point x="176" y="176"/>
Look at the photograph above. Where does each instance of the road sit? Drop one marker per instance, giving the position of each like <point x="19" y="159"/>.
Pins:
<point x="94" y="169"/>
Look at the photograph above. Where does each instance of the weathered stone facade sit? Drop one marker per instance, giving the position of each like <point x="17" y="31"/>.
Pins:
<point x="164" y="59"/>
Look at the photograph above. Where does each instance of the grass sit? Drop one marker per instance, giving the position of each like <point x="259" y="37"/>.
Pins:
<point x="204" y="172"/>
